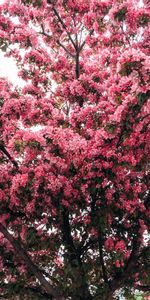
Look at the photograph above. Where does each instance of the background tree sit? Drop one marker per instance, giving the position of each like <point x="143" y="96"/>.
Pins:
<point x="74" y="190"/>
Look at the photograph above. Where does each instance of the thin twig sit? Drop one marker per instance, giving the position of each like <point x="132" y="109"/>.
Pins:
<point x="64" y="26"/>
<point x="58" y="42"/>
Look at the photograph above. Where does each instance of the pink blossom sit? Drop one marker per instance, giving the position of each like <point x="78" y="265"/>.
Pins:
<point x="118" y="265"/>
<point x="120" y="246"/>
<point x="74" y="140"/>
<point x="109" y="244"/>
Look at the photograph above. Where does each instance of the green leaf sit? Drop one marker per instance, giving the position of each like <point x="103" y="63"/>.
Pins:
<point x="111" y="128"/>
<point x="120" y="15"/>
<point x="143" y="20"/>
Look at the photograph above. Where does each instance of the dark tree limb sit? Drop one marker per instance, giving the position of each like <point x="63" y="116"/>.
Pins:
<point x="77" y="67"/>
<point x="142" y="118"/>
<point x="67" y="237"/>
<point x="74" y="259"/>
<point x="143" y="288"/>
<point x="51" y="291"/>
<point x="147" y="200"/>
<point x="64" y="26"/>
<point x="100" y="246"/>
<point x="4" y="150"/>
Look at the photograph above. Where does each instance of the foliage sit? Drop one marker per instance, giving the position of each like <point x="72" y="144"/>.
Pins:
<point x="74" y="150"/>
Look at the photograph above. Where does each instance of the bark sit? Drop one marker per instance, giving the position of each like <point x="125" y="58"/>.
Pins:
<point x="82" y="292"/>
<point x="77" y="65"/>
<point x="100" y="245"/>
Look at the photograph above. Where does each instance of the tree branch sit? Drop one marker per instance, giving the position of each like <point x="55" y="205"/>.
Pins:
<point x="74" y="259"/>
<point x="67" y="51"/>
<point x="101" y="257"/>
<point x="66" y="230"/>
<point x="142" y="118"/>
<point x="32" y="267"/>
<point x="147" y="200"/>
<point x="64" y="26"/>
<point x="77" y="67"/>
<point x="58" y="42"/>
<point x="144" y="288"/>
<point x="4" y="150"/>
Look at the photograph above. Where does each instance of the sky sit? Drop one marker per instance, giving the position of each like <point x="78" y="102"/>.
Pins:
<point x="8" y="67"/>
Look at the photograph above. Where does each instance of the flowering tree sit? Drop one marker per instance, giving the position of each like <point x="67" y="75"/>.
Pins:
<point x="74" y="147"/>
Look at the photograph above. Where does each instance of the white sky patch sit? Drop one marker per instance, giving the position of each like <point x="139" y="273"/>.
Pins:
<point x="8" y="69"/>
